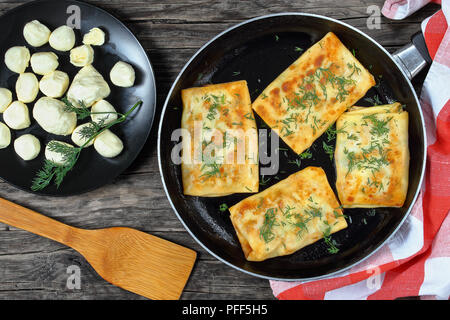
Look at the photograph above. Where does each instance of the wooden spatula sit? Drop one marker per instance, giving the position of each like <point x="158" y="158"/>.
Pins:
<point x="131" y="259"/>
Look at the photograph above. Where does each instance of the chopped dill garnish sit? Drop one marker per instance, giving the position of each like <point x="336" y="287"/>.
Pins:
<point x="82" y="111"/>
<point x="314" y="212"/>
<point x="215" y="105"/>
<point x="263" y="182"/>
<point x="302" y="225"/>
<point x="266" y="230"/>
<point x="327" y="238"/>
<point x="223" y="207"/>
<point x="297" y="162"/>
<point x="306" y="154"/>
<point x="332" y="132"/>
<point x="379" y="127"/>
<point x="210" y="170"/>
<point x="375" y="101"/>
<point x="249" y="116"/>
<point x="328" y="150"/>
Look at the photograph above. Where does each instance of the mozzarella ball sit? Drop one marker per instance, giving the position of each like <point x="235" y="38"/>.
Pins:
<point x="16" y="116"/>
<point x="88" y="86"/>
<point x="54" y="84"/>
<point x="78" y="139"/>
<point x="17" y="59"/>
<point x="5" y="136"/>
<point x="62" y="38"/>
<point x="122" y="74"/>
<point x="27" y="147"/>
<point x="36" y="34"/>
<point x="27" y="87"/>
<point x="52" y="117"/>
<point x="5" y="99"/>
<point x="95" y="37"/>
<point x="82" y="56"/>
<point x="44" y="62"/>
<point x="108" y="144"/>
<point x="53" y="156"/>
<point x="103" y="106"/>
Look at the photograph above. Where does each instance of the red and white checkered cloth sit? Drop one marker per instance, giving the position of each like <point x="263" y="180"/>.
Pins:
<point x="416" y="260"/>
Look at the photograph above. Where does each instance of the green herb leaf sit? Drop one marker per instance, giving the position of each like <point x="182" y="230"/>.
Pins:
<point x="223" y="207"/>
<point x="266" y="230"/>
<point x="328" y="150"/>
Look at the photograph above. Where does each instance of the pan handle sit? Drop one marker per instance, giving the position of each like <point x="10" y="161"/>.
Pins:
<point x="413" y="57"/>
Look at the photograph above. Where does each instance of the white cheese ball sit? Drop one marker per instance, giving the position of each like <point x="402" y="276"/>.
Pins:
<point x="78" y="139"/>
<point x="27" y="147"/>
<point x="52" y="117"/>
<point x="27" y="87"/>
<point x="53" y="156"/>
<point x="54" y="84"/>
<point x="103" y="106"/>
<point x="88" y="86"/>
<point x="82" y="56"/>
<point x="17" y="59"/>
<point x="5" y="99"/>
<point x="44" y="62"/>
<point x="36" y="34"/>
<point x="122" y="74"/>
<point x="108" y="144"/>
<point x="62" y="38"/>
<point x="95" y="37"/>
<point x="5" y="136"/>
<point x="16" y="116"/>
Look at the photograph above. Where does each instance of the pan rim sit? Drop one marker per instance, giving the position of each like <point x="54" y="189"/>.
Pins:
<point x="389" y="56"/>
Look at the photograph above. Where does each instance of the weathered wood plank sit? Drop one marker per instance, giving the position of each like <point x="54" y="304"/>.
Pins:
<point x="44" y="273"/>
<point x="233" y="10"/>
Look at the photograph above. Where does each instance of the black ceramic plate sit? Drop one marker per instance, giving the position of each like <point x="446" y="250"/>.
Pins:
<point x="258" y="51"/>
<point x="92" y="170"/>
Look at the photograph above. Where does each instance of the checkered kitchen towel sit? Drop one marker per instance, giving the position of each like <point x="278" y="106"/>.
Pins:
<point x="416" y="260"/>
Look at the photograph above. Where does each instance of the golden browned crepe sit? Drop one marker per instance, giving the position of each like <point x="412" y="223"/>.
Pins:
<point x="372" y="157"/>
<point x="287" y="216"/>
<point x="220" y="155"/>
<point x="308" y="97"/>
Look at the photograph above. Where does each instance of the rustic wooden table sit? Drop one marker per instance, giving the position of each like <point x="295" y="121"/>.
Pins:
<point x="171" y="31"/>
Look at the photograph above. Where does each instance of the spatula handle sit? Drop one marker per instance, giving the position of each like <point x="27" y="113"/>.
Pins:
<point x="29" y="220"/>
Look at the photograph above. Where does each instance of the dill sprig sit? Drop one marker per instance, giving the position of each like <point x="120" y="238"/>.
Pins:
<point x="328" y="150"/>
<point x="91" y="129"/>
<point x="52" y="171"/>
<point x="306" y="154"/>
<point x="330" y="242"/>
<point x="82" y="111"/>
